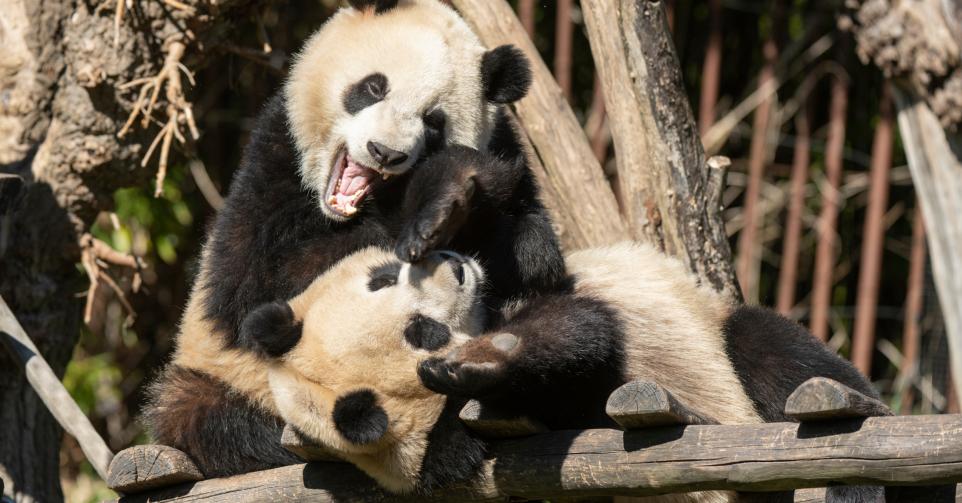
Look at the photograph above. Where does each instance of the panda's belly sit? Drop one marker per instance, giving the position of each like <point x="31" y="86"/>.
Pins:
<point x="672" y="328"/>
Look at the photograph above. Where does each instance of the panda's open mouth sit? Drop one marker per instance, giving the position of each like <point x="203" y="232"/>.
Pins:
<point x="350" y="182"/>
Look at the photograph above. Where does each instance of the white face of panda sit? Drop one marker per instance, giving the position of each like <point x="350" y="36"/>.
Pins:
<point x="371" y="93"/>
<point x="350" y="380"/>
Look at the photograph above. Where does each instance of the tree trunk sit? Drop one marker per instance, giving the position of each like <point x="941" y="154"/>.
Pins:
<point x="62" y="107"/>
<point x="670" y="194"/>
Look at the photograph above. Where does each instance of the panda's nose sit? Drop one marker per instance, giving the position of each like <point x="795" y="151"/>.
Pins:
<point x="384" y="155"/>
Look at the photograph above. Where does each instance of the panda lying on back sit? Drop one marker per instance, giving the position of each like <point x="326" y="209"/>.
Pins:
<point x="390" y="132"/>
<point x="348" y="352"/>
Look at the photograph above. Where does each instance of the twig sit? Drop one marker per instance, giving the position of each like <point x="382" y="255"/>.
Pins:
<point x="118" y="19"/>
<point x="95" y="257"/>
<point x="179" y="110"/>
<point x="205" y="184"/>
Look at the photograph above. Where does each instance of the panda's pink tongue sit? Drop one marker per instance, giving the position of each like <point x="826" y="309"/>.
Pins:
<point x="353" y="184"/>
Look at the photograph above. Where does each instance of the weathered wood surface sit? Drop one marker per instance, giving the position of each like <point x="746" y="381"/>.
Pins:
<point x="894" y="450"/>
<point x="145" y="467"/>
<point x="303" y="447"/>
<point x="935" y="160"/>
<point x="51" y="391"/>
<point x="820" y="398"/>
<point x="644" y="404"/>
<point x="578" y="194"/>
<point x="667" y="188"/>
<point x="493" y="423"/>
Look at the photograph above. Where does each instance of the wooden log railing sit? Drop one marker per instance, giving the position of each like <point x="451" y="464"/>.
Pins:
<point x="677" y="449"/>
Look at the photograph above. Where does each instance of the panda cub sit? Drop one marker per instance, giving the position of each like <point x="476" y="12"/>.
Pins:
<point x="347" y="353"/>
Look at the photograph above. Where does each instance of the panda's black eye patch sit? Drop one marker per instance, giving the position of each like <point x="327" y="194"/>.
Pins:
<point x="383" y="276"/>
<point x="365" y="92"/>
<point x="424" y="333"/>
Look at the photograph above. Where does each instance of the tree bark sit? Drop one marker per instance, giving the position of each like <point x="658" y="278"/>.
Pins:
<point x="60" y="112"/>
<point x="670" y="194"/>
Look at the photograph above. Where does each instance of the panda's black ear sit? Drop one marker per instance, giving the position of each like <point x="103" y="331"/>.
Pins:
<point x="359" y="418"/>
<point x="270" y="330"/>
<point x="379" y="5"/>
<point x="505" y="74"/>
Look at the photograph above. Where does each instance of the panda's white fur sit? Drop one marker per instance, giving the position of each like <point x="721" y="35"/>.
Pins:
<point x="351" y="343"/>
<point x="432" y="60"/>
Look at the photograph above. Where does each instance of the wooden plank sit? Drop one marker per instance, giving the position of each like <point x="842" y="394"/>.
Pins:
<point x="820" y="398"/>
<point x="144" y="467"/>
<point x="893" y="450"/>
<point x="304" y="447"/>
<point x="643" y="404"/>
<point x="51" y="391"/>
<point x="582" y="199"/>
<point x="492" y="423"/>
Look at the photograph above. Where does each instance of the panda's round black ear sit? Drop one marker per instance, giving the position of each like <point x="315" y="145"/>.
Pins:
<point x="359" y="418"/>
<point x="505" y="74"/>
<point x="379" y="5"/>
<point x="270" y="330"/>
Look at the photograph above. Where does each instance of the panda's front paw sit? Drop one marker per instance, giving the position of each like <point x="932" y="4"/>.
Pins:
<point x="437" y="202"/>
<point x="479" y="368"/>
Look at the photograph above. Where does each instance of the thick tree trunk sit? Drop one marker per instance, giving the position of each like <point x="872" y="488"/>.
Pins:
<point x="60" y="111"/>
<point x="669" y="192"/>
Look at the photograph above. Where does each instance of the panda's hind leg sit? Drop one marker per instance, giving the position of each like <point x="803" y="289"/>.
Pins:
<point x="221" y="430"/>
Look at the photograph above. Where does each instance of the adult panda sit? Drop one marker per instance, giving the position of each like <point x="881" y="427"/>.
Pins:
<point x="345" y="354"/>
<point x="390" y="131"/>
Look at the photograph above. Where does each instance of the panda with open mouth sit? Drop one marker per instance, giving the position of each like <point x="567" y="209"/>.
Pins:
<point x="390" y="131"/>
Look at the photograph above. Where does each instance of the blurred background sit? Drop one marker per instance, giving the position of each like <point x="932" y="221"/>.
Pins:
<point x="774" y="85"/>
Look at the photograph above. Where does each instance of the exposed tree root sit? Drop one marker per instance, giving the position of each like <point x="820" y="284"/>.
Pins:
<point x="96" y="258"/>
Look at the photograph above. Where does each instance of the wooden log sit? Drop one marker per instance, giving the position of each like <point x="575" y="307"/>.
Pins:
<point x="663" y="178"/>
<point x="492" y="423"/>
<point x="644" y="404"/>
<point x="304" y="447"/>
<point x="10" y="187"/>
<point x="144" y="467"/>
<point x="582" y="198"/>
<point x="821" y="398"/>
<point x="936" y="165"/>
<point x="51" y="391"/>
<point x="894" y="450"/>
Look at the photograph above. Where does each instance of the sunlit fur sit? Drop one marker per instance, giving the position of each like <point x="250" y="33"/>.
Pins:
<point x="432" y="60"/>
<point x="353" y="339"/>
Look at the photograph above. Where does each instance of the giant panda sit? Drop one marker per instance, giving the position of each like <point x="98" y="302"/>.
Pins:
<point x="390" y="131"/>
<point x="356" y="356"/>
<point x="345" y="354"/>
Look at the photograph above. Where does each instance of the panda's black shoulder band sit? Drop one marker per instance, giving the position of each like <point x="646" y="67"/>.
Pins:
<point x="379" y="5"/>
<point x="270" y="330"/>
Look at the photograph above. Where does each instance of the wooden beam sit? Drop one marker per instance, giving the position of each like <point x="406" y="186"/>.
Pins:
<point x="576" y="190"/>
<point x="663" y="178"/>
<point x="144" y="467"/>
<point x="894" y="450"/>
<point x="492" y="423"/>
<point x="820" y="398"/>
<point x="51" y="391"/>
<point x="644" y="404"/>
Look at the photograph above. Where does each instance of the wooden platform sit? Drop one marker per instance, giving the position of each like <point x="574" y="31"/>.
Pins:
<point x="668" y="454"/>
